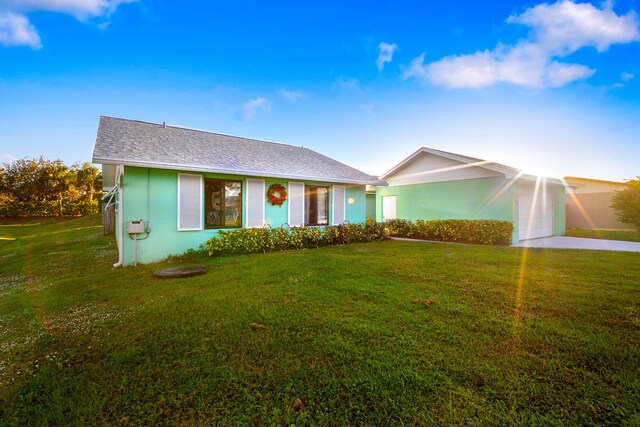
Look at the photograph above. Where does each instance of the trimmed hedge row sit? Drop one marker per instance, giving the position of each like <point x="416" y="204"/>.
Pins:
<point x="480" y="231"/>
<point x="256" y="240"/>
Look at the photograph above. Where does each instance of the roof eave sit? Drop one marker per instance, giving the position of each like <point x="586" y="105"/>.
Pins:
<point x="572" y="180"/>
<point x="202" y="168"/>
<point x="401" y="164"/>
<point x="534" y="178"/>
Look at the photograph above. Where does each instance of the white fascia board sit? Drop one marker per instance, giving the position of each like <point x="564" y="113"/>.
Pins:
<point x="199" y="168"/>
<point x="402" y="163"/>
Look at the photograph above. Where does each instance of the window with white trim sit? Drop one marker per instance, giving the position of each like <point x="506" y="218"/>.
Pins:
<point x="316" y="205"/>
<point x="222" y="203"/>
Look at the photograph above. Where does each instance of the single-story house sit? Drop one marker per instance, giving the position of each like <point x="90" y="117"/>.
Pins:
<point x="434" y="184"/>
<point x="588" y="205"/>
<point x="175" y="188"/>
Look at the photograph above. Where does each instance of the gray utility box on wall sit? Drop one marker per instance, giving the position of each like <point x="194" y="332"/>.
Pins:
<point x="135" y="227"/>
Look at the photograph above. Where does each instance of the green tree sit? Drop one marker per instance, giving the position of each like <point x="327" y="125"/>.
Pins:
<point x="59" y="179"/>
<point x="41" y="187"/>
<point x="626" y="203"/>
<point x="87" y="179"/>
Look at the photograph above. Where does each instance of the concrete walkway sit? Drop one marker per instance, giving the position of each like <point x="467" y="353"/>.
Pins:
<point x="562" y="242"/>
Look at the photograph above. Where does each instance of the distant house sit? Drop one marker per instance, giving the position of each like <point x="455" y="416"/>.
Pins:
<point x="434" y="184"/>
<point x="186" y="185"/>
<point x="590" y="204"/>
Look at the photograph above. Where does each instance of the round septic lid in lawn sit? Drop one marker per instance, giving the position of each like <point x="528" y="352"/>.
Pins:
<point x="181" y="271"/>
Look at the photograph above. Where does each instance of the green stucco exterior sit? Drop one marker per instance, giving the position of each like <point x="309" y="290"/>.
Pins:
<point x="482" y="198"/>
<point x="468" y="199"/>
<point x="371" y="206"/>
<point x="165" y="239"/>
<point x="559" y="213"/>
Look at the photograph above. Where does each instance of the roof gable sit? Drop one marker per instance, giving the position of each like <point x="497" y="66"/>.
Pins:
<point x="428" y="168"/>
<point x="136" y="143"/>
<point x="464" y="160"/>
<point x="459" y="167"/>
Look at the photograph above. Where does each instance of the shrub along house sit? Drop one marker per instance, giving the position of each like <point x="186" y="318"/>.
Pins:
<point x="434" y="184"/>
<point x="174" y="188"/>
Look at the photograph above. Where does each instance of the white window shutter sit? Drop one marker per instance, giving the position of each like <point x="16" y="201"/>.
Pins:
<point x="296" y="204"/>
<point x="256" y="197"/>
<point x="338" y="204"/>
<point x="189" y="202"/>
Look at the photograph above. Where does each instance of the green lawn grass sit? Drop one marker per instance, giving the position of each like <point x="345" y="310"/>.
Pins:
<point x="628" y="235"/>
<point x="346" y="330"/>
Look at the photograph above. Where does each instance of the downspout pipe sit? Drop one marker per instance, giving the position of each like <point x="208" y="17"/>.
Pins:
<point x="120" y="206"/>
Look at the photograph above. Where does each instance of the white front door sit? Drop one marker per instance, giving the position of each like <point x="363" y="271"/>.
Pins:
<point x="535" y="213"/>
<point x="388" y="207"/>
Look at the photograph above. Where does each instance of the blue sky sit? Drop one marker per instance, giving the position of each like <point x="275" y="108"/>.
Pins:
<point x="548" y="87"/>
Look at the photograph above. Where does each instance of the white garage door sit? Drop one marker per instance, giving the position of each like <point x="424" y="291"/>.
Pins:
<point x="535" y="216"/>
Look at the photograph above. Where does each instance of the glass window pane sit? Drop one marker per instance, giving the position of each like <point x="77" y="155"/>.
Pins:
<point x="316" y="205"/>
<point x="222" y="203"/>
<point x="323" y="205"/>
<point x="309" y="216"/>
<point x="233" y="204"/>
<point x="213" y="202"/>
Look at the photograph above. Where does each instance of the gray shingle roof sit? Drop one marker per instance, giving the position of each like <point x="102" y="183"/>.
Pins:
<point x="137" y="143"/>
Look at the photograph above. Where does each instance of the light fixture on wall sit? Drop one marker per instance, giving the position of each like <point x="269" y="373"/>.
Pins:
<point x="351" y="200"/>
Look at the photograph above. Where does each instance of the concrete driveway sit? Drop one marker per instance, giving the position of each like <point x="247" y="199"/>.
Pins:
<point x="562" y="242"/>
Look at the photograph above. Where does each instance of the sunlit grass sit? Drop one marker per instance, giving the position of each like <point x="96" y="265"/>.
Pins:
<point x="345" y="330"/>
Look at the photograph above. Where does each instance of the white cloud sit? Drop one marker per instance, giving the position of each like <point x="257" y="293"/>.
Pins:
<point x="7" y="158"/>
<point x="565" y="26"/>
<point x="81" y="9"/>
<point x="292" y="95"/>
<point x="626" y="77"/>
<point x="16" y="30"/>
<point x="417" y="69"/>
<point x="345" y="83"/>
<point x="251" y="107"/>
<point x="557" y="30"/>
<point x="558" y="74"/>
<point x="385" y="54"/>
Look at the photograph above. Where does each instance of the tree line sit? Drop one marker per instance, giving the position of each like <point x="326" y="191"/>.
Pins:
<point x="41" y="187"/>
<point x="626" y="203"/>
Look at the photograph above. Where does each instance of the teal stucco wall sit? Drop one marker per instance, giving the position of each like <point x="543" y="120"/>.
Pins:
<point x="371" y="206"/>
<point x="482" y="198"/>
<point x="467" y="199"/>
<point x="165" y="239"/>
<point x="559" y="213"/>
<point x="355" y="204"/>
